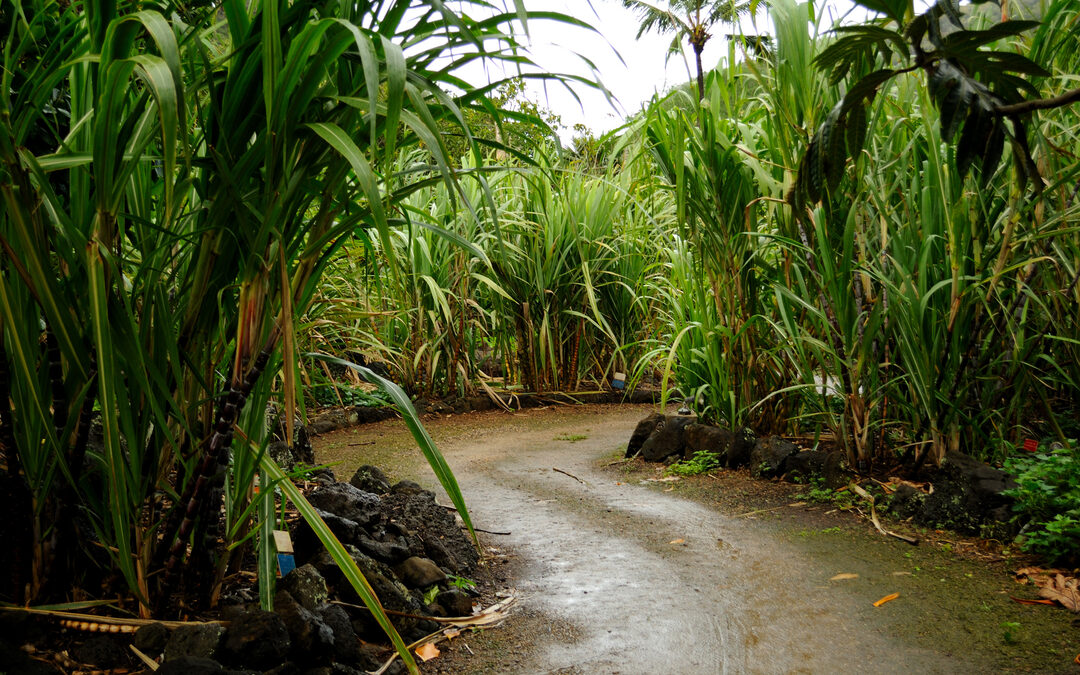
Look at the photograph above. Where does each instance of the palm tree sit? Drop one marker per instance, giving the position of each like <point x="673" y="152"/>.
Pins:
<point x="691" y="19"/>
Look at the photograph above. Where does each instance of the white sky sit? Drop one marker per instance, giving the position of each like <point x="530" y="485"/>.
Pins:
<point x="632" y="80"/>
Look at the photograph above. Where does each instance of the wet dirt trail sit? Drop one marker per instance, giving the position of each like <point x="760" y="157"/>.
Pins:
<point x="652" y="582"/>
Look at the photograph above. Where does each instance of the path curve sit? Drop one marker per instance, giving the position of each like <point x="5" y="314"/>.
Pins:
<point x="728" y="598"/>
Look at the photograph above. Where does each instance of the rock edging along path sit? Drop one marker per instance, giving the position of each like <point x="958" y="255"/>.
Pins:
<point x="653" y="582"/>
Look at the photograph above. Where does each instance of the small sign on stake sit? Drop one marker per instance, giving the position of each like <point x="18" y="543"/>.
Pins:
<point x="618" y="381"/>
<point x="285" y="560"/>
<point x="1031" y="445"/>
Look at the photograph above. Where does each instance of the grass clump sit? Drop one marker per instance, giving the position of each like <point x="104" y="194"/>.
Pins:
<point x="701" y="462"/>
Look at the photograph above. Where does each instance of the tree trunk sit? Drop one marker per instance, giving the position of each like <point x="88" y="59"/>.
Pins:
<point x="700" y="72"/>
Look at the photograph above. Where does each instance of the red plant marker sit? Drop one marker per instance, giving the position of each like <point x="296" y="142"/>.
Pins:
<point x="1031" y="445"/>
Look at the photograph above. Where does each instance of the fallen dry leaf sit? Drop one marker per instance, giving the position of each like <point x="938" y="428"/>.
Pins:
<point x="1065" y="590"/>
<point x="901" y="574"/>
<point x="844" y="575"/>
<point x="1025" y="601"/>
<point x="887" y="598"/>
<point x="895" y="482"/>
<point x="427" y="652"/>
<point x="451" y="633"/>
<point x="1053" y="585"/>
<point x="677" y="541"/>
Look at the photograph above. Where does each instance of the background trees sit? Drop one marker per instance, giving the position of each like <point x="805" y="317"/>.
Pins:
<point x="689" y="20"/>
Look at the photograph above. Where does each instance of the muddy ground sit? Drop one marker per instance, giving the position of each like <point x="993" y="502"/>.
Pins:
<point x="617" y="573"/>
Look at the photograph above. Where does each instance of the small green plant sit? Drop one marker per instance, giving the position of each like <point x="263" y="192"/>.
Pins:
<point x="462" y="583"/>
<point x="1048" y="497"/>
<point x="572" y="438"/>
<point x="430" y="593"/>
<point x="1010" y="630"/>
<point x="702" y="461"/>
<point x="828" y="530"/>
<point x="819" y="494"/>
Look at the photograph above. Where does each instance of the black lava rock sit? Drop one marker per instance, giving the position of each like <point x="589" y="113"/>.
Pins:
<point x="769" y="456"/>
<point x="104" y="651"/>
<point x="312" y="640"/>
<point x="346" y="642"/>
<point x="456" y="602"/>
<point x="370" y="479"/>
<point x="347" y="501"/>
<point x="707" y="438"/>
<point x="667" y="439"/>
<point x="306" y="586"/>
<point x="811" y="464"/>
<point x="418" y="572"/>
<point x="151" y="639"/>
<point x="642" y="432"/>
<point x="194" y="640"/>
<point x="191" y="665"/>
<point x="256" y="639"/>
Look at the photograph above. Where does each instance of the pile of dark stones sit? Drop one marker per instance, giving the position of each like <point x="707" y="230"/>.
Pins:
<point x="405" y="544"/>
<point x="967" y="496"/>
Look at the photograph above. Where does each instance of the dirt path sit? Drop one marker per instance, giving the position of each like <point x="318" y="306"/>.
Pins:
<point x="626" y="578"/>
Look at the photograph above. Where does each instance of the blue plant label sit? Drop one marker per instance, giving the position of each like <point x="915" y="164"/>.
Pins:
<point x="286" y="563"/>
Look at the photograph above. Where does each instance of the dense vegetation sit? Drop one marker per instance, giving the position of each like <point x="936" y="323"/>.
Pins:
<point x="920" y="305"/>
<point x="195" y="202"/>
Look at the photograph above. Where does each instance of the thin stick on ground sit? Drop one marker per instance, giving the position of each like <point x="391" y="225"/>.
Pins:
<point x="874" y="519"/>
<point x="569" y="474"/>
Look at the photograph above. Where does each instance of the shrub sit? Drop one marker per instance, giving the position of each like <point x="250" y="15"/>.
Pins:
<point x="1048" y="495"/>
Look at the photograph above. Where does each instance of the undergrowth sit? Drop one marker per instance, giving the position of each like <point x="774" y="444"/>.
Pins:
<point x="1048" y="497"/>
<point x="701" y="462"/>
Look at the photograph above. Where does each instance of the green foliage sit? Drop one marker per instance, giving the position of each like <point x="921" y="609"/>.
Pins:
<point x="975" y="88"/>
<point x="1048" y="498"/>
<point x="338" y="394"/>
<point x="703" y="461"/>
<point x="175" y="182"/>
<point x="1010" y="632"/>
<point x="463" y="583"/>
<point x="819" y="494"/>
<point x="430" y="593"/>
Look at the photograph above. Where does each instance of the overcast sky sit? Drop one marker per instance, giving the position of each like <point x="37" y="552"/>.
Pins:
<point x="633" y="70"/>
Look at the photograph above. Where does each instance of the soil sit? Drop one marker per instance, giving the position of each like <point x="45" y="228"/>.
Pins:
<point x="618" y="571"/>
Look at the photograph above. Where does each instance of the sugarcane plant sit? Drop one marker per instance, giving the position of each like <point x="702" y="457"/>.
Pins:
<point x="175" y="181"/>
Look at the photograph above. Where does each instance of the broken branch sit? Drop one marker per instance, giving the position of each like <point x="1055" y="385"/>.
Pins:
<point x="567" y="473"/>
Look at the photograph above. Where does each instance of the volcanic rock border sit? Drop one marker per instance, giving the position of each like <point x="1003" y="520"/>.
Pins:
<point x="967" y="495"/>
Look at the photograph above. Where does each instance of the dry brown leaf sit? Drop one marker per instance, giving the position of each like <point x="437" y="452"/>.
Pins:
<point x="895" y="482"/>
<point x="1065" y="590"/>
<point x="1053" y="585"/>
<point x="677" y="541"/>
<point x="1025" y="601"/>
<point x="451" y="633"/>
<point x="427" y="652"/>
<point x="844" y="575"/>
<point x="887" y="598"/>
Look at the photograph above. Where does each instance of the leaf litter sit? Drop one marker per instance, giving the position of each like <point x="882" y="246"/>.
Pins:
<point x="1058" y="586"/>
